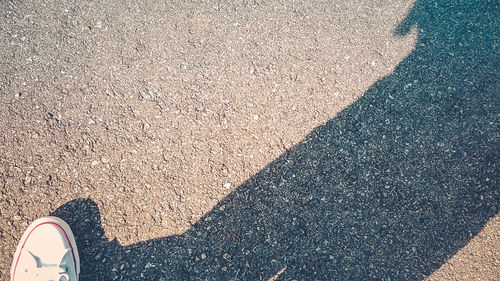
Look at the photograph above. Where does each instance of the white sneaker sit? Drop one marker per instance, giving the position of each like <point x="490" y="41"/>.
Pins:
<point x="47" y="251"/>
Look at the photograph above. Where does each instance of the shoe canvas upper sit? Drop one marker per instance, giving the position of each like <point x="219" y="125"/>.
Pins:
<point x="46" y="254"/>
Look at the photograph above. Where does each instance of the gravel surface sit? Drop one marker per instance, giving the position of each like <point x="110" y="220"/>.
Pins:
<point x="250" y="140"/>
<point x="479" y="260"/>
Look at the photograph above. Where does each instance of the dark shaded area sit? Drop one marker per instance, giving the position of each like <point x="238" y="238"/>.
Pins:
<point x="388" y="190"/>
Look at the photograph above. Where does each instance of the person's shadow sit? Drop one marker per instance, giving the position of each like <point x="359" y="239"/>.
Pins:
<point x="387" y="190"/>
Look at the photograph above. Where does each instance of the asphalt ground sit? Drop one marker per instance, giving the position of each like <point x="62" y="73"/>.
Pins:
<point x="250" y="140"/>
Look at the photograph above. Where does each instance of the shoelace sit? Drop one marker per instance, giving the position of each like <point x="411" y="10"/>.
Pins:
<point x="49" y="272"/>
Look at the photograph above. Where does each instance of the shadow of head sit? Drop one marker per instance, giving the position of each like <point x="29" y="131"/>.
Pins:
<point x="389" y="189"/>
<point x="83" y="216"/>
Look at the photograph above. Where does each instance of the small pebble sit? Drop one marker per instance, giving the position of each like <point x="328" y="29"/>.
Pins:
<point x="227" y="185"/>
<point x="203" y="256"/>
<point x="27" y="180"/>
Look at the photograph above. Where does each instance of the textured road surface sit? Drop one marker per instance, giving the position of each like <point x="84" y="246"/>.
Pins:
<point x="249" y="140"/>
